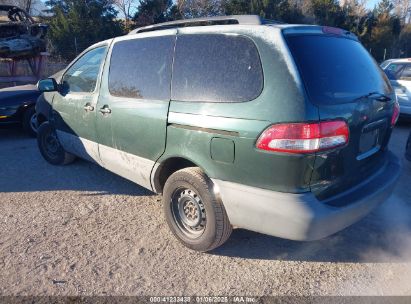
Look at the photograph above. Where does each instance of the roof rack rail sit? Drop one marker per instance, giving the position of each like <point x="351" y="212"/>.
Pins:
<point x="234" y="19"/>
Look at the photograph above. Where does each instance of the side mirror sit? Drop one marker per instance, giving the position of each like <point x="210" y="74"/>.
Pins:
<point x="47" y="85"/>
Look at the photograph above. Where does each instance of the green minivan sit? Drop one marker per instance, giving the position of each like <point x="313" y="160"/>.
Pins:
<point x="237" y="121"/>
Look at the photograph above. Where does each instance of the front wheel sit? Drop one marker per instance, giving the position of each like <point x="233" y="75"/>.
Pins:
<point x="30" y="121"/>
<point x="193" y="212"/>
<point x="50" y="147"/>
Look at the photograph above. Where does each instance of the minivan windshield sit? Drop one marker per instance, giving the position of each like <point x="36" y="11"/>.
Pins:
<point x="336" y="69"/>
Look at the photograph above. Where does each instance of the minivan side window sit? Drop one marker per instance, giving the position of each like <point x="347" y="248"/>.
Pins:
<point x="216" y="68"/>
<point x="82" y="76"/>
<point x="141" y="68"/>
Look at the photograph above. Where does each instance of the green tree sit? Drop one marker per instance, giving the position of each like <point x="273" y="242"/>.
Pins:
<point x="155" y="11"/>
<point x="280" y="10"/>
<point x="200" y="8"/>
<point x="77" y="24"/>
<point x="385" y="32"/>
<point x="327" y="12"/>
<point x="237" y="7"/>
<point x="405" y="41"/>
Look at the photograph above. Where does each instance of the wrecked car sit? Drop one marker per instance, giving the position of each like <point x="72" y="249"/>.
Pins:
<point x="17" y="107"/>
<point x="20" y="35"/>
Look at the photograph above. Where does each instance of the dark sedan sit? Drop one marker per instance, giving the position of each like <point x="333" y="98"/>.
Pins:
<point x="17" y="107"/>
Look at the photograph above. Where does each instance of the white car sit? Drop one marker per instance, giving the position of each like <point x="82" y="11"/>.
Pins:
<point x="399" y="73"/>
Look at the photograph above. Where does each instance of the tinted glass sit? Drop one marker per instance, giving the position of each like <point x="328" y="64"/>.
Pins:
<point x="216" y="68"/>
<point x="336" y="69"/>
<point x="406" y="73"/>
<point x="141" y="68"/>
<point x="82" y="76"/>
<point x="384" y="64"/>
<point x="393" y="71"/>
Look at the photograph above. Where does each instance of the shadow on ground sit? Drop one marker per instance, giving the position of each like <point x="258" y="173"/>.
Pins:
<point x="24" y="170"/>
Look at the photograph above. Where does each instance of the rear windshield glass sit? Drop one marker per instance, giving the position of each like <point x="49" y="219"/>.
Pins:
<point x="336" y="70"/>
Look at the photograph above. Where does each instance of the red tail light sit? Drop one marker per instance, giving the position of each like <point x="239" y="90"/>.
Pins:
<point x="395" y="114"/>
<point x="304" y="137"/>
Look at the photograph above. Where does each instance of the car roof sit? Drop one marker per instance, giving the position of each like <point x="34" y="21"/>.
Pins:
<point x="399" y="60"/>
<point x="236" y="21"/>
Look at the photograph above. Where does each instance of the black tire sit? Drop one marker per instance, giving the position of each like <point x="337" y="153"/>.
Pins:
<point x="50" y="147"/>
<point x="187" y="190"/>
<point x="408" y="148"/>
<point x="29" y="122"/>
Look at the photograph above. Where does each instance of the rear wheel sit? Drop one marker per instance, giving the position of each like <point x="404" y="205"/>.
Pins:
<point x="50" y="147"/>
<point x="30" y="121"/>
<point x="192" y="211"/>
<point x="408" y="148"/>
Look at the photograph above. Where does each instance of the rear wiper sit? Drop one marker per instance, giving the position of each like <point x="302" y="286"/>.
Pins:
<point x="376" y="95"/>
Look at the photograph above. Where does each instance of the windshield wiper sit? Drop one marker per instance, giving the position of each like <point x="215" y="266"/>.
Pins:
<point x="376" y="95"/>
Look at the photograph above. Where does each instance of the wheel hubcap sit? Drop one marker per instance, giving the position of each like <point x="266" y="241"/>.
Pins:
<point x="189" y="212"/>
<point x="51" y="144"/>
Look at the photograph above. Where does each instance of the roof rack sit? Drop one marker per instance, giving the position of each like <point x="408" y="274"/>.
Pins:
<point x="220" y="20"/>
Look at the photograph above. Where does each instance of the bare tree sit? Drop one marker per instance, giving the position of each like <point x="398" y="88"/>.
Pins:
<point x="126" y="8"/>
<point x="357" y="7"/>
<point x="402" y="9"/>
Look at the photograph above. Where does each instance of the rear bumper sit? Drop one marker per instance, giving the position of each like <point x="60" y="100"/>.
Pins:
<point x="7" y="120"/>
<point x="10" y="115"/>
<point x="302" y="216"/>
<point x="405" y="108"/>
<point x="405" y="111"/>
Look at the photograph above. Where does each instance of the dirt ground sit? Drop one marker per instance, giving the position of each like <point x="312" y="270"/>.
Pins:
<point x="81" y="230"/>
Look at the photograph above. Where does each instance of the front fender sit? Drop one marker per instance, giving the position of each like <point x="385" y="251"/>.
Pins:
<point x="44" y="106"/>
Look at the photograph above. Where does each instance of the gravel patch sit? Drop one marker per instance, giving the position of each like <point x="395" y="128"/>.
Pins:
<point x="81" y="230"/>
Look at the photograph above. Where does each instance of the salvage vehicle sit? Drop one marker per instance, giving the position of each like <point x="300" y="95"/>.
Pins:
<point x="385" y="63"/>
<point x="17" y="106"/>
<point x="20" y="35"/>
<point x="238" y="122"/>
<point x="399" y="73"/>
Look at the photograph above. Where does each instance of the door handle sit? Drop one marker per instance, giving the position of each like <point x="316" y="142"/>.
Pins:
<point x="105" y="110"/>
<point x="88" y="108"/>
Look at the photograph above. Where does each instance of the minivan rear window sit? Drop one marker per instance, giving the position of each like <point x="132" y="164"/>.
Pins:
<point x="216" y="68"/>
<point x="336" y="69"/>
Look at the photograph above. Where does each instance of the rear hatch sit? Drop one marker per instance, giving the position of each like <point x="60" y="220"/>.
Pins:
<point x="345" y="83"/>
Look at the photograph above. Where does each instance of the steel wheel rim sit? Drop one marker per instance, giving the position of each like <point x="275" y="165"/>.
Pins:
<point x="33" y="122"/>
<point x="51" y="144"/>
<point x="188" y="212"/>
